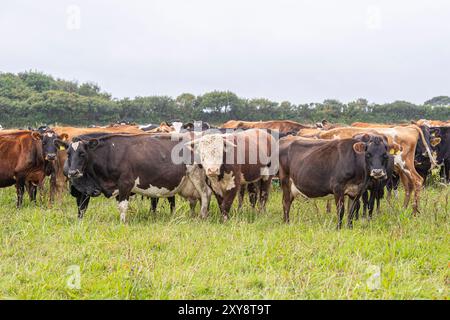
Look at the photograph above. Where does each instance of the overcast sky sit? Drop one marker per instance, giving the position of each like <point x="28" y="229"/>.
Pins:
<point x="301" y="51"/>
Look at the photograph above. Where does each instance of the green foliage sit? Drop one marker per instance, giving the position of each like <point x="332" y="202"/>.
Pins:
<point x="32" y="97"/>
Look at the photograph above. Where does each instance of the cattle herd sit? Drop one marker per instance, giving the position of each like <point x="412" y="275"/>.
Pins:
<point x="196" y="161"/>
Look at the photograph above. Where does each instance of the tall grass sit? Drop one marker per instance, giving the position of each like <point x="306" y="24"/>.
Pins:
<point x="254" y="255"/>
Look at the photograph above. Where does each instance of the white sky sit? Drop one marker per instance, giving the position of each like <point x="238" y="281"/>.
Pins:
<point x="301" y="51"/>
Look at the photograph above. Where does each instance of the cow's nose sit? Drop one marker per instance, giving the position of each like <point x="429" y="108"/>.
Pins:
<point x="377" y="173"/>
<point x="74" y="174"/>
<point x="51" y="156"/>
<point x="212" y="172"/>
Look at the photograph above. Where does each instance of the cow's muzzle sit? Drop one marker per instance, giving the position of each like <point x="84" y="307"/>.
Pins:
<point x="74" y="174"/>
<point x="50" y="156"/>
<point x="212" y="172"/>
<point x="378" y="173"/>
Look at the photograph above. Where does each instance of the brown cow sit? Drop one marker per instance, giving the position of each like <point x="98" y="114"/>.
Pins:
<point x="21" y="161"/>
<point x="407" y="137"/>
<point x="433" y="123"/>
<point x="283" y="126"/>
<point x="234" y="160"/>
<point x="318" y="168"/>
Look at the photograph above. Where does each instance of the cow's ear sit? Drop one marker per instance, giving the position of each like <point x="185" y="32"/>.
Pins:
<point x="92" y="144"/>
<point x="394" y="149"/>
<point x="61" y="145"/>
<point x="435" y="132"/>
<point x="360" y="147"/>
<point x="64" y="136"/>
<point x="435" y="141"/>
<point x="36" y="135"/>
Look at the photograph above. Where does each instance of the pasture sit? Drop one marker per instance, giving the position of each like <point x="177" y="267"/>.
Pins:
<point x="251" y="256"/>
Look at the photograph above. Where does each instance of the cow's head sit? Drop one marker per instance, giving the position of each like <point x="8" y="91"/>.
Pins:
<point x="443" y="148"/>
<point x="432" y="139"/>
<point x="376" y="152"/>
<point x="77" y="155"/>
<point x="211" y="149"/>
<point x="49" y="147"/>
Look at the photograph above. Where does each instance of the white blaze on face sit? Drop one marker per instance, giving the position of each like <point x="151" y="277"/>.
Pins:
<point x="49" y="134"/>
<point x="210" y="149"/>
<point x="75" y="145"/>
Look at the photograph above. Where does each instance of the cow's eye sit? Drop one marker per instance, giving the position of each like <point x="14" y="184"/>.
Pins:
<point x="368" y="155"/>
<point x="82" y="154"/>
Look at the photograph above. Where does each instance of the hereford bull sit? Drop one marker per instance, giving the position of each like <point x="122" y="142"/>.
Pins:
<point x="317" y="168"/>
<point x="21" y="162"/>
<point x="234" y="160"/>
<point x="121" y="165"/>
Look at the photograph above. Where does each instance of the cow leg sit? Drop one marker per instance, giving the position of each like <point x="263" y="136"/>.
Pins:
<point x="357" y="208"/>
<point x="20" y="190"/>
<point x="32" y="192"/>
<point x="252" y="193"/>
<point x="82" y="204"/>
<point x="227" y="202"/>
<point x="417" y="185"/>
<point x="264" y="190"/>
<point x="52" y="187"/>
<point x="365" y="199"/>
<point x="353" y="203"/>
<point x="172" y="204"/>
<point x="205" y="199"/>
<point x="328" y="208"/>
<point x="373" y="195"/>
<point x="339" y="200"/>
<point x="406" y="181"/>
<point x="192" y="204"/>
<point x="153" y="204"/>
<point x="287" y="198"/>
<point x="241" y="197"/>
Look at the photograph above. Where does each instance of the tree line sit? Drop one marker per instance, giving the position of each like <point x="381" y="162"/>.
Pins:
<point x="33" y="98"/>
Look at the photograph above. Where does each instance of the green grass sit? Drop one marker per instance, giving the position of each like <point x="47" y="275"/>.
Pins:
<point x="253" y="255"/>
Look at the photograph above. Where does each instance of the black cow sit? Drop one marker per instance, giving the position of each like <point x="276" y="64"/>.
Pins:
<point x="443" y="151"/>
<point x="121" y="165"/>
<point x="317" y="168"/>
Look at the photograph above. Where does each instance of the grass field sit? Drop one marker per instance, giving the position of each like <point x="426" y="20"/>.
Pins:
<point x="253" y="255"/>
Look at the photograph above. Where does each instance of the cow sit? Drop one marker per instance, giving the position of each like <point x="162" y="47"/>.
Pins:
<point x="375" y="186"/>
<point x="318" y="168"/>
<point x="433" y="123"/>
<point x="84" y="188"/>
<point x="422" y="161"/>
<point x="407" y="138"/>
<point x="21" y="162"/>
<point x="283" y="126"/>
<point x="55" y="169"/>
<point x="121" y="165"/>
<point x="443" y="151"/>
<point x="197" y="126"/>
<point x="234" y="160"/>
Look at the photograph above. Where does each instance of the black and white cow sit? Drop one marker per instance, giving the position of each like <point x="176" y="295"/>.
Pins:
<point x="122" y="165"/>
